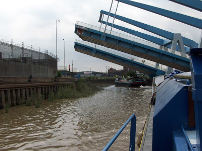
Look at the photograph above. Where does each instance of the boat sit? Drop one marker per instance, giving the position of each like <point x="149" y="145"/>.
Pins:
<point x="121" y="82"/>
<point x="132" y="82"/>
<point x="174" y="122"/>
<point x="137" y="82"/>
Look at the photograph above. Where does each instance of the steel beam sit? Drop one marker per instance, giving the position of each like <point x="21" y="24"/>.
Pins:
<point x="137" y="33"/>
<point x="163" y="33"/>
<point x="192" y="21"/>
<point x="194" y="4"/>
<point x="147" y="37"/>
<point x="92" y="51"/>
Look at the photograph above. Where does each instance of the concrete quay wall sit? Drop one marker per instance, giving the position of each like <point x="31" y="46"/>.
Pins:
<point x="9" y="68"/>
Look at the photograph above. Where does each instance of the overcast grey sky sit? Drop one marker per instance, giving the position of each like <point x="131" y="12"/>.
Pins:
<point x="33" y="22"/>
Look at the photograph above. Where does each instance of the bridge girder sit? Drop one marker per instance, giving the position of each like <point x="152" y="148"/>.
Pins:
<point x="163" y="33"/>
<point x="192" y="21"/>
<point x="89" y="50"/>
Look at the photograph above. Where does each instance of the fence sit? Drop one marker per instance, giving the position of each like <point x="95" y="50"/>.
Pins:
<point x="17" y="51"/>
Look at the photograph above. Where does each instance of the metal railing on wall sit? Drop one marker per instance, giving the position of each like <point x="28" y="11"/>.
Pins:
<point x="17" y="51"/>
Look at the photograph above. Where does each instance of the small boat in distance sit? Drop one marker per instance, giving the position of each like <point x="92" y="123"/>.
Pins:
<point x="137" y="82"/>
<point x="122" y="82"/>
<point x="134" y="82"/>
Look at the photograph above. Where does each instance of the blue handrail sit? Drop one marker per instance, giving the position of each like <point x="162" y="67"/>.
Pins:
<point x="187" y="140"/>
<point x="132" y="134"/>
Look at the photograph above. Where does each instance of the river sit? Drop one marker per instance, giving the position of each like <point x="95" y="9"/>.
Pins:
<point x="84" y="124"/>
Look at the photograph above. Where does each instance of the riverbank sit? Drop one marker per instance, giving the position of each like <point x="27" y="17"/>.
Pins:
<point x="35" y="96"/>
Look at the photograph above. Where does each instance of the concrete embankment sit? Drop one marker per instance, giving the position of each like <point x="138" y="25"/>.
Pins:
<point x="38" y="69"/>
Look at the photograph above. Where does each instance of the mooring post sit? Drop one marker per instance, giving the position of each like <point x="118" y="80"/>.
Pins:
<point x="49" y="89"/>
<point x="9" y="97"/>
<point x="41" y="88"/>
<point x="18" y="96"/>
<point x="35" y="91"/>
<point x="47" y="92"/>
<point x="13" y="97"/>
<point x="54" y="89"/>
<point x="38" y="91"/>
<point x="23" y="95"/>
<point x="27" y="93"/>
<point x="3" y="98"/>
<point x="31" y="92"/>
<point x="43" y="92"/>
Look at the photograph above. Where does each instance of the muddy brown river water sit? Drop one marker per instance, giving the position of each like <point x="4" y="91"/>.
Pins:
<point x="84" y="124"/>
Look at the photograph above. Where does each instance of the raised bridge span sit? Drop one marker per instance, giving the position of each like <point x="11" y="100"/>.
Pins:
<point x="132" y="45"/>
<point x="92" y="50"/>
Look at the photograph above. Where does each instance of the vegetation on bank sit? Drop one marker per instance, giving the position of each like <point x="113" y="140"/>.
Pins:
<point x="78" y="89"/>
<point x="97" y="78"/>
<point x="34" y="100"/>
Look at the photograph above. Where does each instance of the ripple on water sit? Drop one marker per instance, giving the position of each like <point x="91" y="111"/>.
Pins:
<point x="75" y="125"/>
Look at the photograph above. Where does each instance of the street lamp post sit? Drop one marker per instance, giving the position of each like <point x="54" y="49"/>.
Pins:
<point x="64" y="53"/>
<point x="56" y="44"/>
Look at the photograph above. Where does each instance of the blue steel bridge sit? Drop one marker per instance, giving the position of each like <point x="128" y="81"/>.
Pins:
<point x="95" y="51"/>
<point x="170" y="50"/>
<point x="132" y="45"/>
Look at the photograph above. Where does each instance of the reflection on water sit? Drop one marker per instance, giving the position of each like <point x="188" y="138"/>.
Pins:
<point x="85" y="124"/>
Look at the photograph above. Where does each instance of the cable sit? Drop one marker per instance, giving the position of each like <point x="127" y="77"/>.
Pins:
<point x="102" y="17"/>
<point x="108" y="15"/>
<point x="114" y="16"/>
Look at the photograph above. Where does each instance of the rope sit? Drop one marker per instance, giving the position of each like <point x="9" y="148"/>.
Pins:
<point x="101" y="22"/>
<point x="145" y="128"/>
